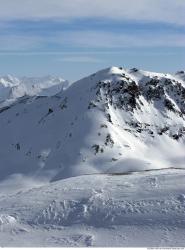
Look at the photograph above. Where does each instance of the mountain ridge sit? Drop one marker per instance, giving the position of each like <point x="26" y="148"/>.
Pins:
<point x="113" y="121"/>
<point x="12" y="88"/>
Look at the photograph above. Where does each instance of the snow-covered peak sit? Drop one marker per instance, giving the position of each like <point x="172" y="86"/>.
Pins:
<point x="9" y="81"/>
<point x="109" y="131"/>
<point x="116" y="120"/>
<point x="12" y="88"/>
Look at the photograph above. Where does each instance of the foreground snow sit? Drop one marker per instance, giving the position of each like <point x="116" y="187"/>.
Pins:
<point x="138" y="209"/>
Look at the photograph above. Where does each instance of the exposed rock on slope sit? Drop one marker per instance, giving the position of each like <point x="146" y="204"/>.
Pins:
<point x="114" y="121"/>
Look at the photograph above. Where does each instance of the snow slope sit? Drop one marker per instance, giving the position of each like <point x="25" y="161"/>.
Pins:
<point x="12" y="88"/>
<point x="100" y="163"/>
<point x="135" y="210"/>
<point x="114" y="121"/>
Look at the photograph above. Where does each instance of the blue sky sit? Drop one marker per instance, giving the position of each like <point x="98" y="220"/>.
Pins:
<point x="74" y="38"/>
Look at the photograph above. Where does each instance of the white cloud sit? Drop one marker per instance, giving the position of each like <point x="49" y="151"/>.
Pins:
<point x="171" y="11"/>
<point x="98" y="39"/>
<point x="90" y="40"/>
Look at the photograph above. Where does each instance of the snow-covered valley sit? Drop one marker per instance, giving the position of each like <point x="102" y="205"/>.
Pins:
<point x="97" y="163"/>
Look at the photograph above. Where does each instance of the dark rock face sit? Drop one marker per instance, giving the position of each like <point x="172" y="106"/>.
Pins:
<point x="122" y="94"/>
<point x="125" y="94"/>
<point x="166" y="94"/>
<point x="169" y="105"/>
<point x="154" y="92"/>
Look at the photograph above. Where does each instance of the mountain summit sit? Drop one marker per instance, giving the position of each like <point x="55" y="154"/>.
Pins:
<point x="113" y="121"/>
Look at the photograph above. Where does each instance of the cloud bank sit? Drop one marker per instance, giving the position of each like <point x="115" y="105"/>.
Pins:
<point x="91" y="40"/>
<point x="171" y="11"/>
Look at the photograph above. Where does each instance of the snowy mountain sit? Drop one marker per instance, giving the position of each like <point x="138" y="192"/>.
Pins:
<point x="114" y="121"/>
<point x="100" y="163"/>
<point x="12" y="88"/>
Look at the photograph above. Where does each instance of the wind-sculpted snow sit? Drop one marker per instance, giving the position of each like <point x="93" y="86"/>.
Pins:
<point x="141" y="209"/>
<point x="101" y="211"/>
<point x="114" y="121"/>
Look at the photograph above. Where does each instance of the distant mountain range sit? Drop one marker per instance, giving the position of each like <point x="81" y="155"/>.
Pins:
<point x="12" y="88"/>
